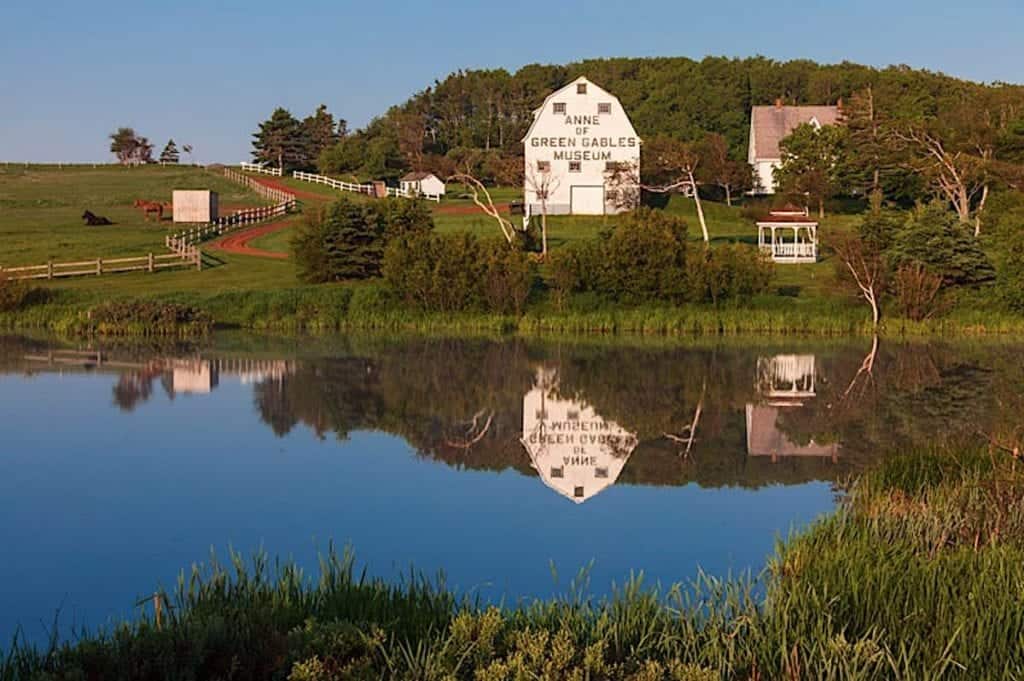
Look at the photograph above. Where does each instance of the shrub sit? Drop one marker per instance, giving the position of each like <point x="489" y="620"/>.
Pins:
<point x="346" y="239"/>
<point x="642" y="259"/>
<point x="1011" y="271"/>
<point x="727" y="273"/>
<point x="14" y="294"/>
<point x="451" y="273"/>
<point x="935" y="239"/>
<point x="917" y="292"/>
<point x="147" y="318"/>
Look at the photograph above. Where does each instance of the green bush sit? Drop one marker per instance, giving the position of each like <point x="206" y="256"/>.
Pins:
<point x="16" y="295"/>
<point x="346" y="239"/>
<point x="458" y="272"/>
<point x="727" y="272"/>
<point x="1011" y="271"/>
<point x="642" y="259"/>
<point x="146" y="318"/>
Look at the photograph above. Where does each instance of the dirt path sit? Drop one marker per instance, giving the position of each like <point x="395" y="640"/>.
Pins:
<point x="238" y="242"/>
<point x="299" y="194"/>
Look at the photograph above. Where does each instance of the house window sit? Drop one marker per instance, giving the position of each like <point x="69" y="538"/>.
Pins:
<point x="581" y="88"/>
<point x="557" y="472"/>
<point x="559" y="107"/>
<point x="604" y="108"/>
<point x="573" y="415"/>
<point x="600" y="472"/>
<point x="544" y="166"/>
<point x="575" y="166"/>
<point x="577" y="492"/>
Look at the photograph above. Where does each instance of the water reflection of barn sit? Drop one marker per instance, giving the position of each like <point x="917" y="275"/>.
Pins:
<point x="785" y="382"/>
<point x="576" y="452"/>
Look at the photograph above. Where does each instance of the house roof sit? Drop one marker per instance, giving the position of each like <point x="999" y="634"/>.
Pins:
<point x="764" y="438"/>
<point x="770" y="124"/>
<point x="417" y="175"/>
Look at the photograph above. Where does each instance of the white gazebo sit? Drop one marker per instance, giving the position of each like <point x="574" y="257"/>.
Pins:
<point x="789" y="236"/>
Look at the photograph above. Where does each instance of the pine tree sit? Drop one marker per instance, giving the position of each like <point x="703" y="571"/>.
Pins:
<point x="170" y="153"/>
<point x="321" y="133"/>
<point x="280" y="141"/>
<point x="934" y="238"/>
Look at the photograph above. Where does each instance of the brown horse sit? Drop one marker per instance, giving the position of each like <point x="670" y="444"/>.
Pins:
<point x="149" y="207"/>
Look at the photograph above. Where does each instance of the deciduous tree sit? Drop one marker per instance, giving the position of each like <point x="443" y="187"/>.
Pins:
<point x="130" y="148"/>
<point x="812" y="163"/>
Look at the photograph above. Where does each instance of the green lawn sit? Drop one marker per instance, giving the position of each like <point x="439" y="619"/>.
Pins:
<point x="41" y="209"/>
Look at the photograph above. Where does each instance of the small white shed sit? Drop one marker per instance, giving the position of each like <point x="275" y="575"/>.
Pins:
<point x="195" y="205"/>
<point x="422" y="183"/>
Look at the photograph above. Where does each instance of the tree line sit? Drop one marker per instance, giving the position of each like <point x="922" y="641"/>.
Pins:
<point x="131" y="148"/>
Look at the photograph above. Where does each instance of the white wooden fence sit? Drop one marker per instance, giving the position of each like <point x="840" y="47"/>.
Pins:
<point x="260" y="168"/>
<point x="263" y="190"/>
<point x="367" y="189"/>
<point x="243" y="218"/>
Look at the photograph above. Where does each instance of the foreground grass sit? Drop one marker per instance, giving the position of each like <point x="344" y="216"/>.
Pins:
<point x="919" y="575"/>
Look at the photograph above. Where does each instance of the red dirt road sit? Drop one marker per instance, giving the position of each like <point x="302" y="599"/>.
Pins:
<point x="280" y="186"/>
<point x="238" y="242"/>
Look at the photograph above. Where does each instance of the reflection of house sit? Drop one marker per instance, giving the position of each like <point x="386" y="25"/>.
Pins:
<point x="576" y="452"/>
<point x="786" y="381"/>
<point x="193" y="377"/>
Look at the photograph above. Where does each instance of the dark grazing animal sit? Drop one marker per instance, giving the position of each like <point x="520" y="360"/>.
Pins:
<point x="94" y="220"/>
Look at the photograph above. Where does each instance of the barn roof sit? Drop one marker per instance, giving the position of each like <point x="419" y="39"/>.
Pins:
<point x="582" y="79"/>
<point x="770" y="124"/>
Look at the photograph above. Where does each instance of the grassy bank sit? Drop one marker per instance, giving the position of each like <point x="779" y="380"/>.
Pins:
<point x="917" y="576"/>
<point x="325" y="309"/>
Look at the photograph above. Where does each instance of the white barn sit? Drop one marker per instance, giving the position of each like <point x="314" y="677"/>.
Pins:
<point x="422" y="183"/>
<point x="582" y="152"/>
<point x="769" y="125"/>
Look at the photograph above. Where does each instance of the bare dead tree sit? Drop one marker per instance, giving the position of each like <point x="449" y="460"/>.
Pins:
<point x="689" y="434"/>
<point x="959" y="177"/>
<point x="542" y="183"/>
<point x="868" y="268"/>
<point x="482" y="199"/>
<point x="474" y="430"/>
<point x="865" y="374"/>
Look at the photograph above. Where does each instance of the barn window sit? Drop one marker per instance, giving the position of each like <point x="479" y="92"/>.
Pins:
<point x="600" y="472"/>
<point x="581" y="88"/>
<point x="541" y="414"/>
<point x="557" y="472"/>
<point x="575" y="166"/>
<point x="612" y="166"/>
<point x="604" y="108"/>
<point x="578" y="492"/>
<point x="559" y="107"/>
<point x="573" y="415"/>
<point x="544" y="166"/>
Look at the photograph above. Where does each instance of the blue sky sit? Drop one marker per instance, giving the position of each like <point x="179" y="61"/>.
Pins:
<point x="205" y="73"/>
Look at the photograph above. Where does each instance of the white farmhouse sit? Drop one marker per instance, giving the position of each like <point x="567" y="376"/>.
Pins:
<point x="422" y="183"/>
<point x="769" y="125"/>
<point x="582" y="153"/>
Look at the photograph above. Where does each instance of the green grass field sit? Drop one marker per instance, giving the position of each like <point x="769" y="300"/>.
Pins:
<point x="41" y="209"/>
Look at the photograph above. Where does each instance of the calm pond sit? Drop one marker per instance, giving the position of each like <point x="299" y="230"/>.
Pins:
<point x="508" y="466"/>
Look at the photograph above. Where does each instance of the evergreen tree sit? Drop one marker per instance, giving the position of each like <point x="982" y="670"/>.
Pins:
<point x="935" y="238"/>
<point x="321" y="133"/>
<point x="281" y="141"/>
<point x="170" y="153"/>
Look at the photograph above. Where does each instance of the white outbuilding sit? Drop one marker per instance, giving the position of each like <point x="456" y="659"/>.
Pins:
<point x="582" y="154"/>
<point x="422" y="184"/>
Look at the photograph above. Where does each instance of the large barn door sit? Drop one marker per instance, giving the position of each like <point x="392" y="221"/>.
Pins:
<point x="586" y="200"/>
